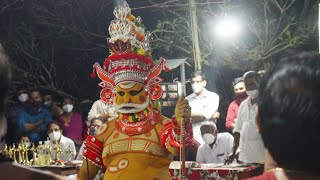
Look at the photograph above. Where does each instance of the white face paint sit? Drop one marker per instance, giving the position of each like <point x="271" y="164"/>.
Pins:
<point x="133" y="108"/>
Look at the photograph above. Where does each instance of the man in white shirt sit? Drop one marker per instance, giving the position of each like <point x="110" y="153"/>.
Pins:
<point x="217" y="146"/>
<point x="102" y="111"/>
<point x="94" y="126"/>
<point x="57" y="140"/>
<point x="245" y="131"/>
<point x="204" y="104"/>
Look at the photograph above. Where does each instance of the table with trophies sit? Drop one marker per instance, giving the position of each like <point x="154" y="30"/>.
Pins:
<point x="43" y="156"/>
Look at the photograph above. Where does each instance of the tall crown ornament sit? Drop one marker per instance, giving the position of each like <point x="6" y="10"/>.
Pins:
<point x="130" y="57"/>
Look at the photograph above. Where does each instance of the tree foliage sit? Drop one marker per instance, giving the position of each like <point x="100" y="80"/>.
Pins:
<point x="54" y="43"/>
<point x="269" y="28"/>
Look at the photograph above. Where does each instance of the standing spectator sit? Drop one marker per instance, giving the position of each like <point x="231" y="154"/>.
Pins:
<point x="34" y="119"/>
<point x="217" y="146"/>
<point x="51" y="105"/>
<point x="288" y="118"/>
<point x="204" y="104"/>
<point x="72" y="122"/>
<point x="245" y="131"/>
<point x="240" y="93"/>
<point x="66" y="144"/>
<point x="102" y="111"/>
<point x="25" y="139"/>
<point x="20" y="101"/>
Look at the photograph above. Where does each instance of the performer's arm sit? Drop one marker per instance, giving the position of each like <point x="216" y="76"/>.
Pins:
<point x="170" y="135"/>
<point x="92" y="159"/>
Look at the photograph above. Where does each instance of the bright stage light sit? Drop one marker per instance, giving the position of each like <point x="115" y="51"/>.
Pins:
<point x="227" y="29"/>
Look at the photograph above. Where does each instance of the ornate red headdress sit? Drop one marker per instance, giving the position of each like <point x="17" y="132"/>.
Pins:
<point x="130" y="59"/>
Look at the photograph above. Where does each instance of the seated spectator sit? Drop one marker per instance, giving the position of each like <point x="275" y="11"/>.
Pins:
<point x="34" y="119"/>
<point x="102" y="111"/>
<point x="240" y="94"/>
<point x="93" y="128"/>
<point x="66" y="144"/>
<point x="288" y="118"/>
<point x="217" y="146"/>
<point x="51" y="105"/>
<point x="25" y="140"/>
<point x="72" y="123"/>
<point x="20" y="101"/>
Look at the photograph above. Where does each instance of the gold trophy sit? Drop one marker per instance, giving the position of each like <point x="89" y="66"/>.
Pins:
<point x="69" y="154"/>
<point x="33" y="161"/>
<point x="10" y="152"/>
<point x="14" y="150"/>
<point x="26" y="152"/>
<point x="6" y="151"/>
<point x="20" y="151"/>
<point x="58" y="153"/>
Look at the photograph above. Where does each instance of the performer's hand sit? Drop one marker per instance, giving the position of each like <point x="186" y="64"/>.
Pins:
<point x="182" y="111"/>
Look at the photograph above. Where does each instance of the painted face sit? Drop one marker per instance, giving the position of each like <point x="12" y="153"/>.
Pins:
<point x="130" y="98"/>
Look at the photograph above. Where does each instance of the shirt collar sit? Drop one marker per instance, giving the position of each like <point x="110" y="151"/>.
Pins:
<point x="63" y="139"/>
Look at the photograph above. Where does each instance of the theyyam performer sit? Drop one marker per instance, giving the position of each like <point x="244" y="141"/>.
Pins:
<point x="140" y="143"/>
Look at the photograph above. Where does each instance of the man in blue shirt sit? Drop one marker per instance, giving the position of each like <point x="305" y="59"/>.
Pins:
<point x="34" y="119"/>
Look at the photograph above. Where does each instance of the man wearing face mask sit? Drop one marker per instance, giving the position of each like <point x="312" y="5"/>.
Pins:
<point x="92" y="130"/>
<point x="51" y="105"/>
<point x="72" y="122"/>
<point x="33" y="120"/>
<point x="240" y="94"/>
<point x="217" y="146"/>
<point x="204" y="104"/>
<point x="57" y="139"/>
<point x="245" y="131"/>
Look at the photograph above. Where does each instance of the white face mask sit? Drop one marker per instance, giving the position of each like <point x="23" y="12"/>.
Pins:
<point x="27" y="144"/>
<point x="197" y="88"/>
<point x="253" y="94"/>
<point x="23" y="97"/>
<point x="208" y="138"/>
<point x="67" y="108"/>
<point x="55" y="135"/>
<point x="48" y="103"/>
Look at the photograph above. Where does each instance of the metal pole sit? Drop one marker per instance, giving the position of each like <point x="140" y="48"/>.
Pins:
<point x="183" y="79"/>
<point x="319" y="24"/>
<point x="195" y="37"/>
<point x="182" y="128"/>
